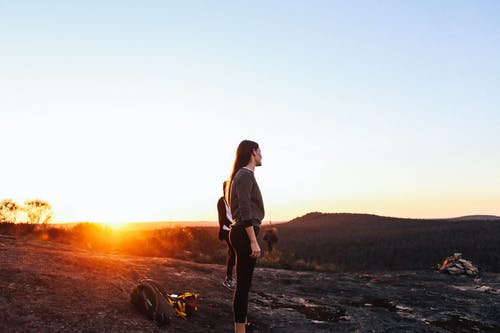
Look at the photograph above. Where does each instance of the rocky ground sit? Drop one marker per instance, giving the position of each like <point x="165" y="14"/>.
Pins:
<point x="49" y="287"/>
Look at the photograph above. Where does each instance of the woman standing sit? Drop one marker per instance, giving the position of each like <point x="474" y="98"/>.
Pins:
<point x="225" y="220"/>
<point x="247" y="209"/>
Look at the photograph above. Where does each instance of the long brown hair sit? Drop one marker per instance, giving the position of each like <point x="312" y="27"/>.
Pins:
<point x="243" y="155"/>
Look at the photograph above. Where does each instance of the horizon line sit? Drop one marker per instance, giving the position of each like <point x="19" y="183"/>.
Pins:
<point x="285" y="220"/>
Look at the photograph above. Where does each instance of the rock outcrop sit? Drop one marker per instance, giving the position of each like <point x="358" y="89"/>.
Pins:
<point x="455" y="265"/>
<point x="48" y="287"/>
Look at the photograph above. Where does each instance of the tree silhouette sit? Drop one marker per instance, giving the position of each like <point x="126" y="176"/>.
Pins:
<point x="39" y="211"/>
<point x="8" y="210"/>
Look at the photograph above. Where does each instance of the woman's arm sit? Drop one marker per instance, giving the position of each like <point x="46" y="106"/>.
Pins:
<point x="254" y="245"/>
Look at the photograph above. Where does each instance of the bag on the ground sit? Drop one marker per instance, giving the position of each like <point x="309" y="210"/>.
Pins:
<point x="184" y="304"/>
<point x="150" y="299"/>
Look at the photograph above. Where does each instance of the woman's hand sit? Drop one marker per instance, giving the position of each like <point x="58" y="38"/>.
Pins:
<point x="255" y="249"/>
<point x="254" y="245"/>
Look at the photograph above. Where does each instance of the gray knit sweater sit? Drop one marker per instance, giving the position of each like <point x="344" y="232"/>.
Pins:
<point x="247" y="207"/>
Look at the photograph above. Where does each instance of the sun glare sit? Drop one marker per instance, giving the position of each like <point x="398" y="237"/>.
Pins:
<point x="114" y="224"/>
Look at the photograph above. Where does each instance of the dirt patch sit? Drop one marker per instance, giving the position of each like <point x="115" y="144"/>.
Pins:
<point x="49" y="287"/>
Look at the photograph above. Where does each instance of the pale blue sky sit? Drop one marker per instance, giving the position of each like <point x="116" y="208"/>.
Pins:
<point x="132" y="110"/>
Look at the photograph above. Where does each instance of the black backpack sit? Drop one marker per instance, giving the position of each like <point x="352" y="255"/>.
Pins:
<point x="150" y="299"/>
<point x="223" y="220"/>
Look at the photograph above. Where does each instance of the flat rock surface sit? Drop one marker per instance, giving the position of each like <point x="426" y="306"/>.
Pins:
<point x="49" y="287"/>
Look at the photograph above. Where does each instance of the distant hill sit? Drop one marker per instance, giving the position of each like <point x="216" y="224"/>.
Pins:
<point x="478" y="218"/>
<point x="317" y="219"/>
<point x="364" y="241"/>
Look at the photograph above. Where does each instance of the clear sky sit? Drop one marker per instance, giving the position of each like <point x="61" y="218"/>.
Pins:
<point x="132" y="110"/>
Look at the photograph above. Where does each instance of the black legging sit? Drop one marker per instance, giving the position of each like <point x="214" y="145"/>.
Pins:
<point x="245" y="265"/>
<point x="230" y="259"/>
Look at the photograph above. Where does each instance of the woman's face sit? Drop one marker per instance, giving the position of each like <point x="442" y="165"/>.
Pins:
<point x="257" y="156"/>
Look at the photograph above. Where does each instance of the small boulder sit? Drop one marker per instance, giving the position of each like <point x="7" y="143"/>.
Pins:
<point x="456" y="265"/>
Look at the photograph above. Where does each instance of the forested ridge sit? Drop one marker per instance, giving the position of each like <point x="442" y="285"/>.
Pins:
<point x="361" y="241"/>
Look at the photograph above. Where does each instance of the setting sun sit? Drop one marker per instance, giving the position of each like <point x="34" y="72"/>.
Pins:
<point x="114" y="225"/>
